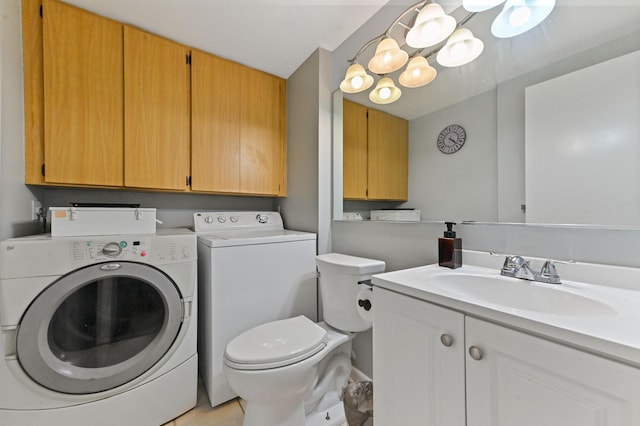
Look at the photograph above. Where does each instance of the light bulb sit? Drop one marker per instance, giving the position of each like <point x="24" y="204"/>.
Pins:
<point x="415" y="72"/>
<point x="519" y="16"/>
<point x="430" y="29"/>
<point x="385" y="93"/>
<point x="459" y="51"/>
<point x="356" y="82"/>
<point x="387" y="58"/>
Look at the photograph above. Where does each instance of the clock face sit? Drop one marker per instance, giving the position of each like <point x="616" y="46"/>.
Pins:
<point x="451" y="139"/>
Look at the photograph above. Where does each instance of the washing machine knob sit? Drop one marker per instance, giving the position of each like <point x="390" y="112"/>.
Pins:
<point x="111" y="249"/>
<point x="208" y="219"/>
<point x="262" y="218"/>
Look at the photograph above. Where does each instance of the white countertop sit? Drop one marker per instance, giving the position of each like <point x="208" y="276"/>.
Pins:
<point x="614" y="333"/>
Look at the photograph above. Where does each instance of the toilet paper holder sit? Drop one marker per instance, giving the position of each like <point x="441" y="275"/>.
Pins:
<point x="365" y="303"/>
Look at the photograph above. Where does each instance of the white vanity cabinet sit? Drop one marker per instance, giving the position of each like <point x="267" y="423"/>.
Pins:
<point x="529" y="381"/>
<point x="509" y="378"/>
<point x="418" y="362"/>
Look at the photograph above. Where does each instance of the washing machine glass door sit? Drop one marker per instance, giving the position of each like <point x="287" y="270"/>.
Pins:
<point x="99" y="327"/>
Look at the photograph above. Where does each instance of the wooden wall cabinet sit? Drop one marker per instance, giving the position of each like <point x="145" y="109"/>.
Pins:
<point x="375" y="154"/>
<point x="113" y="106"/>
<point x="83" y="97"/>
<point x="157" y="108"/>
<point x="239" y="128"/>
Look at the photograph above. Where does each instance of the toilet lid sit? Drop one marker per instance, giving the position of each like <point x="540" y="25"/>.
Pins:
<point x="276" y="343"/>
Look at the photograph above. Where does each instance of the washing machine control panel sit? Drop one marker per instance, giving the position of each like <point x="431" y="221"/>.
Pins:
<point x="230" y="221"/>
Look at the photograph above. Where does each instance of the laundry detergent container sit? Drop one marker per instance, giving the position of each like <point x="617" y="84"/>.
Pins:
<point x="341" y="278"/>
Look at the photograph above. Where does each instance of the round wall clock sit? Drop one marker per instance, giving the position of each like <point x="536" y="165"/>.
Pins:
<point x="451" y="139"/>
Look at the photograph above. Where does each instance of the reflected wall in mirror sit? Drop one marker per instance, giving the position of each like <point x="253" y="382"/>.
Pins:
<point x="485" y="180"/>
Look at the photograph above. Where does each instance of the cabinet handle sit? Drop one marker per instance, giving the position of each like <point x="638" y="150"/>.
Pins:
<point x="446" y="340"/>
<point x="475" y="353"/>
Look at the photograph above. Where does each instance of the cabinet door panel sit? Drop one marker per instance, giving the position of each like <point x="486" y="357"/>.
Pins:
<point x="215" y="123"/>
<point x="157" y="112"/>
<point x="527" y="381"/>
<point x="354" y="151"/>
<point x="418" y="380"/>
<point x="388" y="156"/>
<point x="262" y="133"/>
<point x="83" y="97"/>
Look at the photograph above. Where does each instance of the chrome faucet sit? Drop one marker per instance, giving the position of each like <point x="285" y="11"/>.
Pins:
<point x="517" y="267"/>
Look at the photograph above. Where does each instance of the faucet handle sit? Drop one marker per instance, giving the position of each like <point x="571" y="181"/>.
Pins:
<point x="549" y="273"/>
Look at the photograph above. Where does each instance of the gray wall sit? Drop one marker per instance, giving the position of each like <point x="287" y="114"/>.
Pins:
<point x="307" y="206"/>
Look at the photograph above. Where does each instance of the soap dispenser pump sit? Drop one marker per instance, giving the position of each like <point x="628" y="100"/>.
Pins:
<point x="450" y="248"/>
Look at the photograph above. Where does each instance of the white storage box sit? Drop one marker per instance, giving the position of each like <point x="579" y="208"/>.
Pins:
<point x="398" y="215"/>
<point x="76" y="221"/>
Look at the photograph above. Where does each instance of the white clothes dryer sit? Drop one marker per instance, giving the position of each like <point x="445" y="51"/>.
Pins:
<point x="250" y="271"/>
<point x="98" y="330"/>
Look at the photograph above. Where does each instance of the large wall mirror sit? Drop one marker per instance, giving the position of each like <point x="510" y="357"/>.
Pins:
<point x="486" y="180"/>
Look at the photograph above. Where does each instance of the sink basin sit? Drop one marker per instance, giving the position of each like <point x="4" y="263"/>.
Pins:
<point x="520" y="294"/>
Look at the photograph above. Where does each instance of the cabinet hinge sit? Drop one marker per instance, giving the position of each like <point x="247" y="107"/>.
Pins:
<point x="188" y="180"/>
<point x="42" y="169"/>
<point x="41" y="11"/>
<point x="189" y="59"/>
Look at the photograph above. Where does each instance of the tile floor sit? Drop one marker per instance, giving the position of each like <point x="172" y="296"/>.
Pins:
<point x="229" y="414"/>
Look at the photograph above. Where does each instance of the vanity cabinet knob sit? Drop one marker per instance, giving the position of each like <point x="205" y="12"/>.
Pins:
<point x="476" y="353"/>
<point x="446" y="340"/>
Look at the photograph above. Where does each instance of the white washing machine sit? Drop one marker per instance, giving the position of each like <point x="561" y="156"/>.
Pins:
<point x="98" y="330"/>
<point x="250" y="271"/>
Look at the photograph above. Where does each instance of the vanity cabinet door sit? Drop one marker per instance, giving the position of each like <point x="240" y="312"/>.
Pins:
<point x="418" y="362"/>
<point x="528" y="381"/>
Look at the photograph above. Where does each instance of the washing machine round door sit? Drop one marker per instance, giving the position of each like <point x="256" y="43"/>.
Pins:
<point x="99" y="327"/>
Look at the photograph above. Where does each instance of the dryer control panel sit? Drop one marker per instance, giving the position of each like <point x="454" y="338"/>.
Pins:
<point x="233" y="221"/>
<point x="134" y="249"/>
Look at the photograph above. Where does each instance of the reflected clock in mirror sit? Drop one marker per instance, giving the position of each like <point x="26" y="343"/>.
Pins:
<point x="451" y="139"/>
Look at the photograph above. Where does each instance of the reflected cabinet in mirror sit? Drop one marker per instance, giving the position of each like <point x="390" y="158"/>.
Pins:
<point x="551" y="123"/>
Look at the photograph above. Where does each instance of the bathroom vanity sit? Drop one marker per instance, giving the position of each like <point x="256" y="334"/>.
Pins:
<point x="472" y="347"/>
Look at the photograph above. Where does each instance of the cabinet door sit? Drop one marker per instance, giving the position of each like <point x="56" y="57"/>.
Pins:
<point x="527" y="381"/>
<point x="215" y="123"/>
<point x="157" y="112"/>
<point x="33" y="91"/>
<point x="83" y="97"/>
<point x="354" y="151"/>
<point x="262" y="133"/>
<point x="418" y="379"/>
<point x="388" y="158"/>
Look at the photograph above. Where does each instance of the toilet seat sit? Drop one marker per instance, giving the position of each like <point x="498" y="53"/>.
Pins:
<point x="276" y="344"/>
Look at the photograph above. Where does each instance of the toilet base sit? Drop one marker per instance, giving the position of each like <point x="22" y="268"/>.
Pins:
<point x="330" y="412"/>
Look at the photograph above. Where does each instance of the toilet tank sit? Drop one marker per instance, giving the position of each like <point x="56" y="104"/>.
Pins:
<point x="339" y="288"/>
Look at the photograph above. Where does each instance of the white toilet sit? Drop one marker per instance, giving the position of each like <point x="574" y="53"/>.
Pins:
<point x="290" y="372"/>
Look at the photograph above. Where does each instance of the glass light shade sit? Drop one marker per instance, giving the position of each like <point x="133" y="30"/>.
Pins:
<point x="432" y="26"/>
<point x="480" y="5"/>
<point x="388" y="58"/>
<point x="385" y="92"/>
<point x="461" y="48"/>
<point x="519" y="16"/>
<point x="356" y="80"/>
<point x="418" y="73"/>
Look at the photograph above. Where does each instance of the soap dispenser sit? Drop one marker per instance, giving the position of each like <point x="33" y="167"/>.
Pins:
<point x="450" y="248"/>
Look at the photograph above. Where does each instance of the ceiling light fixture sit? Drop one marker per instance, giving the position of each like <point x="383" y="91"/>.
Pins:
<point x="426" y="25"/>
<point x="385" y="92"/>
<point x="519" y="16"/>
<point x="480" y="5"/>
<point x="461" y="48"/>
<point x="418" y="73"/>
